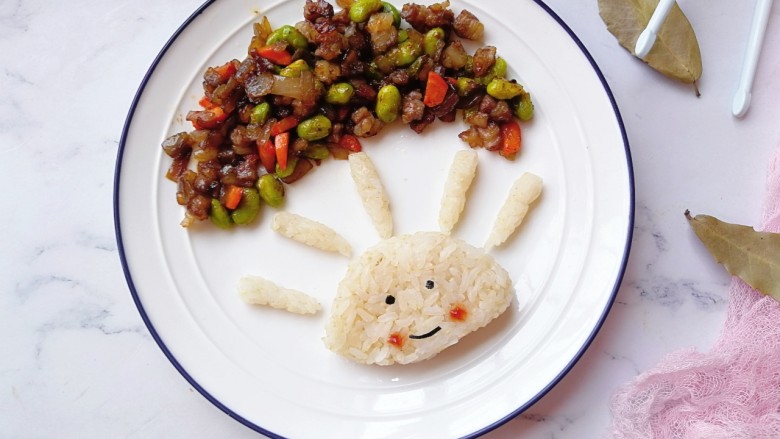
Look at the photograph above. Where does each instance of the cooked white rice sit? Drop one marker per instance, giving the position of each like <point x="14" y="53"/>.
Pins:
<point x="310" y="232"/>
<point x="462" y="171"/>
<point x="364" y="326"/>
<point x="524" y="191"/>
<point x="258" y="291"/>
<point x="372" y="193"/>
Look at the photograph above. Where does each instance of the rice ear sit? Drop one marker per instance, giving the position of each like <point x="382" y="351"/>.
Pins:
<point x="453" y="200"/>
<point x="310" y="232"/>
<point x="524" y="191"/>
<point x="256" y="290"/>
<point x="372" y="193"/>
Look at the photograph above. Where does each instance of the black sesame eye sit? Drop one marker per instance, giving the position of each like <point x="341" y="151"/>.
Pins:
<point x="389" y="300"/>
<point x="429" y="284"/>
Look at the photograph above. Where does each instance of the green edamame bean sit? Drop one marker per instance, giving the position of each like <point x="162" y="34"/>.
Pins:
<point x="280" y="173"/>
<point x="388" y="101"/>
<point x="314" y="128"/>
<point x="219" y="215"/>
<point x="316" y="151"/>
<point x="260" y="113"/>
<point x="406" y="53"/>
<point x="275" y="36"/>
<point x="403" y="35"/>
<point x="385" y="63"/>
<point x="247" y="210"/>
<point x="414" y="68"/>
<point x="340" y="94"/>
<point x="387" y="7"/>
<point x="500" y="88"/>
<point x="271" y="190"/>
<point x="497" y="71"/>
<point x="361" y="10"/>
<point x="465" y="85"/>
<point x="289" y="34"/>
<point x="433" y="38"/>
<point x="499" y="68"/>
<point x="294" y="69"/>
<point x="525" y="107"/>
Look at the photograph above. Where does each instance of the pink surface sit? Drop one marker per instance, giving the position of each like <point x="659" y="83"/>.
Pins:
<point x="733" y="391"/>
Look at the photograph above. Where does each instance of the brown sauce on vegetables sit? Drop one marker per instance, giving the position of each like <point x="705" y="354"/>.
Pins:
<point x="312" y="90"/>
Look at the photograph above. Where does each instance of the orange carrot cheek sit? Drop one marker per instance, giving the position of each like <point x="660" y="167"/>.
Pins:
<point x="458" y="313"/>
<point x="396" y="340"/>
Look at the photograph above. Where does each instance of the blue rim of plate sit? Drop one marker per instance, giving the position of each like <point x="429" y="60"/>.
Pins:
<point x="259" y="429"/>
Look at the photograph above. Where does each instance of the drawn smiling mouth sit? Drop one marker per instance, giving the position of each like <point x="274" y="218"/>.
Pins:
<point x="427" y="334"/>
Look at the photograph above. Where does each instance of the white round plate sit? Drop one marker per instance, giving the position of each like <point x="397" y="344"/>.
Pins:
<point x="269" y="369"/>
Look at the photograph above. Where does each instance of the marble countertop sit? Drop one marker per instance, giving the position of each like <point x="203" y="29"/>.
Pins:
<point x="75" y="357"/>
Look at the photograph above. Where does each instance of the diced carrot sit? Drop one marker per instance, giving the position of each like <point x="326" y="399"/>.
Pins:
<point x="351" y="143"/>
<point x="206" y="103"/>
<point x="267" y="153"/>
<point x="233" y="197"/>
<point x="276" y="54"/>
<point x="435" y="90"/>
<point x="226" y="70"/>
<point x="284" y="125"/>
<point x="511" y="138"/>
<point x="281" y="144"/>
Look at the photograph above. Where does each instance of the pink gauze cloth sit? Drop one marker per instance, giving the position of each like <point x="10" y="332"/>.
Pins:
<point x="731" y="392"/>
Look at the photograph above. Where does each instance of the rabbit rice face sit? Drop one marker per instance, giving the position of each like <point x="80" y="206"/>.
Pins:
<point x="411" y="296"/>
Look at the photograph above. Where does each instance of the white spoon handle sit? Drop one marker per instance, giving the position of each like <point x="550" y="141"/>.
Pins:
<point x="742" y="96"/>
<point x="647" y="38"/>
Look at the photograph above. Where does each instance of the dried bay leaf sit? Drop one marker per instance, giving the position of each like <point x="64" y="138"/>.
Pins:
<point x="751" y="255"/>
<point x="676" y="51"/>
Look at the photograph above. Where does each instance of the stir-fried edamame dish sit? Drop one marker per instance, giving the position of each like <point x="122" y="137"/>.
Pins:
<point x="312" y="90"/>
